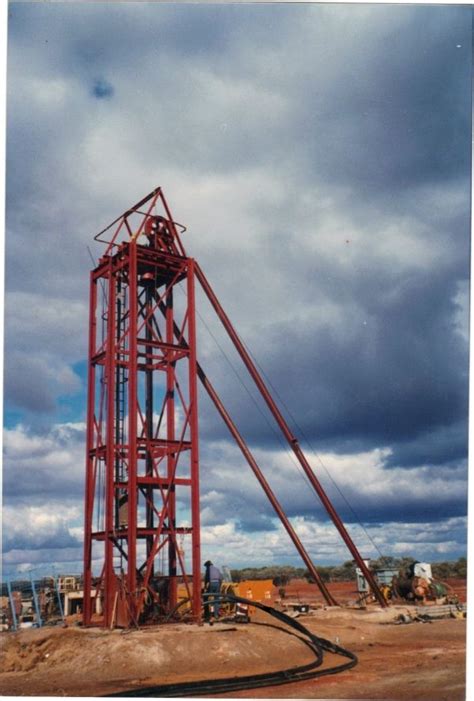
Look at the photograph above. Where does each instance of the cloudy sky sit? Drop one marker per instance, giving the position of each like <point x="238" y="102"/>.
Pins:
<point x="320" y="157"/>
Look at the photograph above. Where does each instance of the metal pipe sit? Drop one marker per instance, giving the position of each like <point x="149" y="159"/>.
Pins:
<point x="60" y="603"/>
<point x="36" y="603"/>
<point x="12" y="605"/>
<point x="292" y="440"/>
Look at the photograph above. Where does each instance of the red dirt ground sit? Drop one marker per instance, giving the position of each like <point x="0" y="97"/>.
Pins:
<point x="423" y="661"/>
<point x="345" y="592"/>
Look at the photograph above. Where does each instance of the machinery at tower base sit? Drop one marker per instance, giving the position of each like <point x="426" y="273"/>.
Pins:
<point x="142" y="519"/>
<point x="412" y="583"/>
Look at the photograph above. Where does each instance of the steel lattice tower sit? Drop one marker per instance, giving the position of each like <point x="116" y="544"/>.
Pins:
<point x="139" y="459"/>
<point x="142" y="462"/>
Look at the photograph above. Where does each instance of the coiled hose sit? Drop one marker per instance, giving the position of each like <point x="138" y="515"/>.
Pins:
<point x="254" y="681"/>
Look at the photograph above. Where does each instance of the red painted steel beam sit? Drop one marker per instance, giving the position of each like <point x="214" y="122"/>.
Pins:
<point x="89" y="490"/>
<point x="128" y="212"/>
<point x="193" y="409"/>
<point x="143" y="532"/>
<point x="260" y="477"/>
<point x="172" y="457"/>
<point x="109" y="378"/>
<point x="292" y="440"/>
<point x="266" y="488"/>
<point x="132" y="429"/>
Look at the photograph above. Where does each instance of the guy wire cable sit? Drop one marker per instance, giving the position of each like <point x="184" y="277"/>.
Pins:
<point x="315" y="453"/>
<point x="302" y="475"/>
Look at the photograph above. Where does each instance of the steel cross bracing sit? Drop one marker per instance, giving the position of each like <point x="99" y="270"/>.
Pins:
<point x="142" y="474"/>
<point x="142" y="438"/>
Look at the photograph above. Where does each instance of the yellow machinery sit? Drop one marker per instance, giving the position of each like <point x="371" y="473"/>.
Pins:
<point x="255" y="589"/>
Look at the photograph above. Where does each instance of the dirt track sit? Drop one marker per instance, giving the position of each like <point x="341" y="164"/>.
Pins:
<point x="415" y="661"/>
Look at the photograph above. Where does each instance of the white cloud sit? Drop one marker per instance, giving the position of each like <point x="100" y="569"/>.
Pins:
<point x="44" y="527"/>
<point x="43" y="517"/>
<point x="41" y="467"/>
<point x="367" y="485"/>
<point x="226" y="544"/>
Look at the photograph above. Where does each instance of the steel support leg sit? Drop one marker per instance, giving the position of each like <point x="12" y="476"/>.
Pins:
<point x="193" y="398"/>
<point x="132" y="432"/>
<point x="260" y="477"/>
<point x="109" y="573"/>
<point x="292" y="440"/>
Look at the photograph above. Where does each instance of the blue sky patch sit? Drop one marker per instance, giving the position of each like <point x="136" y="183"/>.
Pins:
<point x="102" y="89"/>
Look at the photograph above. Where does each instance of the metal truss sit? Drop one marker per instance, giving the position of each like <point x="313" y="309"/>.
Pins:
<point x="142" y="517"/>
<point x="142" y="424"/>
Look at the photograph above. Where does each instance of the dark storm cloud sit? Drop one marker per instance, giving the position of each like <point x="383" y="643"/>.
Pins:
<point x="87" y="35"/>
<point x="400" y="109"/>
<point x="445" y="445"/>
<point x="26" y="386"/>
<point x="414" y="508"/>
<point x="390" y="374"/>
<point x="402" y="92"/>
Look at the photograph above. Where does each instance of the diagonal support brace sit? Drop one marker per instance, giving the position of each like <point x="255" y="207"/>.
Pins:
<point x="291" y="439"/>
<point x="330" y="600"/>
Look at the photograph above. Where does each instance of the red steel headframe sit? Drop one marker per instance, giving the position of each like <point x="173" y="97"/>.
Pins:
<point x="125" y="481"/>
<point x="141" y="460"/>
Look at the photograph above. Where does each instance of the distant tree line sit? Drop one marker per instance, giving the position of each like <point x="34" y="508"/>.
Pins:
<point x="281" y="575"/>
<point x="443" y="570"/>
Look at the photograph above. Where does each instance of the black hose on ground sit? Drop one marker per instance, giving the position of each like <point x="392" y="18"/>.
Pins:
<point x="286" y="676"/>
